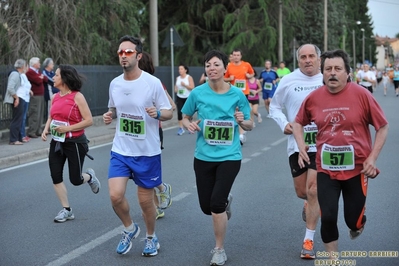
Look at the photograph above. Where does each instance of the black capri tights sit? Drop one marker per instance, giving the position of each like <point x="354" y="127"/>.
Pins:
<point x="75" y="153"/>
<point x="179" y="104"/>
<point x="214" y="182"/>
<point x="354" y="192"/>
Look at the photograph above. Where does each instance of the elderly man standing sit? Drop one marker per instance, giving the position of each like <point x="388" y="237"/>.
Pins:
<point x="11" y="97"/>
<point x="36" y="106"/>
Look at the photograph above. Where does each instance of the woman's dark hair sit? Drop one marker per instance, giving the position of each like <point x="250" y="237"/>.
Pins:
<point x="218" y="54"/>
<point x="146" y="64"/>
<point x="185" y="67"/>
<point x="134" y="40"/>
<point x="334" y="54"/>
<point x="70" y="77"/>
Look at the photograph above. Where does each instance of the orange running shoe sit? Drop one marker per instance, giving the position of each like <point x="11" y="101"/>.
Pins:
<point x="307" y="250"/>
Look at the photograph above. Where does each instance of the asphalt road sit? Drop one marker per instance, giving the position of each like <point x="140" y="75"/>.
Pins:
<point x="266" y="227"/>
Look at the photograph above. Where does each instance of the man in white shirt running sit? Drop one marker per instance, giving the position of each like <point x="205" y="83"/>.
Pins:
<point x="138" y="101"/>
<point x="290" y="93"/>
<point x="366" y="78"/>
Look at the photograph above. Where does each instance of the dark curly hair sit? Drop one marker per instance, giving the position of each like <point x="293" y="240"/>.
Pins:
<point x="71" y="78"/>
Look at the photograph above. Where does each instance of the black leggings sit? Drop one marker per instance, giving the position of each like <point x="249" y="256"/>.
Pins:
<point x="75" y="153"/>
<point x="214" y="182"/>
<point x="179" y="104"/>
<point x="354" y="191"/>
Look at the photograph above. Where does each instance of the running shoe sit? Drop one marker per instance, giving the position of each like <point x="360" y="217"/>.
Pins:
<point x="305" y="204"/>
<point x="254" y="125"/>
<point x="228" y="207"/>
<point x="64" y="215"/>
<point x="307" y="250"/>
<point x="165" y="197"/>
<point x="151" y="247"/>
<point x="259" y="118"/>
<point x="219" y="256"/>
<point x="180" y="131"/>
<point x="126" y="242"/>
<point x="93" y="183"/>
<point x="243" y="139"/>
<point x="160" y="213"/>
<point x="353" y="234"/>
<point x="269" y="116"/>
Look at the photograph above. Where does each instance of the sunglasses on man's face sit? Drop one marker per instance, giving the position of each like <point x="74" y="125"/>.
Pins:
<point x="127" y="52"/>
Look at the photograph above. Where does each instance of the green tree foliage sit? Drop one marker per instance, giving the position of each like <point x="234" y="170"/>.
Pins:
<point x="75" y="32"/>
<point x="86" y="32"/>
<point x="210" y="24"/>
<point x="357" y="10"/>
<point x="311" y="30"/>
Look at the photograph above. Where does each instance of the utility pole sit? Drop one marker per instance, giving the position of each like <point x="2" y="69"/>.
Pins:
<point x="354" y="50"/>
<point x="154" y="32"/>
<point x="362" y="45"/>
<point x="325" y="27"/>
<point x="280" y="31"/>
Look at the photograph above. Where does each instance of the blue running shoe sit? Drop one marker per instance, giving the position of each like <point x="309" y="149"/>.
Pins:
<point x="180" y="131"/>
<point x="126" y="242"/>
<point x="151" y="247"/>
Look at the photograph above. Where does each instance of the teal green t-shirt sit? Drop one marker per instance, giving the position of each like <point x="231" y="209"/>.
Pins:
<point x="219" y="138"/>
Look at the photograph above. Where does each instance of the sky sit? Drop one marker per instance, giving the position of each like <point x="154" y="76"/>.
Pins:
<point x="384" y="14"/>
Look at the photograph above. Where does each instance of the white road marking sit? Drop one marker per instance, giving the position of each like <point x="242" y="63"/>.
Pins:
<point x="86" y="248"/>
<point x="99" y="240"/>
<point x="278" y="141"/>
<point x="256" y="154"/>
<point x="22" y="165"/>
<point x="266" y="148"/>
<point x="180" y="196"/>
<point x="245" y="160"/>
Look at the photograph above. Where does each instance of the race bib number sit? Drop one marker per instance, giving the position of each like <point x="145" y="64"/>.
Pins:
<point x="217" y="132"/>
<point x="268" y="86"/>
<point x="240" y="83"/>
<point x="55" y="135"/>
<point x="252" y="94"/>
<point x="309" y="135"/>
<point x="337" y="158"/>
<point x="132" y="126"/>
<point x="181" y="91"/>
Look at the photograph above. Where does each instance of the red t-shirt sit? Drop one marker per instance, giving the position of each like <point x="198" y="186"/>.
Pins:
<point x="65" y="109"/>
<point x="343" y="120"/>
<point x="239" y="72"/>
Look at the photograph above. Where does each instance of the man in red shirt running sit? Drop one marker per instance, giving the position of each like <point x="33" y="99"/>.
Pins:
<point x="346" y="157"/>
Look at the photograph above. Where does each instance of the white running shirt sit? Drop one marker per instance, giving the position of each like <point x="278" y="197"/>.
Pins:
<point x="290" y="93"/>
<point x="369" y="74"/>
<point x="182" y="92"/>
<point x="137" y="133"/>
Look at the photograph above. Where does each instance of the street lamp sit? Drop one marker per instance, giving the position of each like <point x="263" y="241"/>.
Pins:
<point x="354" y="45"/>
<point x="362" y="45"/>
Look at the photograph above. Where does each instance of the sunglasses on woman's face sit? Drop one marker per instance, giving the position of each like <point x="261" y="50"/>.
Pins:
<point x="127" y="52"/>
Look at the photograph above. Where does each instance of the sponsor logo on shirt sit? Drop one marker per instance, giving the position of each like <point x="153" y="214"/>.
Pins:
<point x="306" y="88"/>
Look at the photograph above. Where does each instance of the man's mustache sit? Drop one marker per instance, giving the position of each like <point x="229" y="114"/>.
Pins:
<point x="333" y="79"/>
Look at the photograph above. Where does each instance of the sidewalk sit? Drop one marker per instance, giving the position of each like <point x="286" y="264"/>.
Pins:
<point x="37" y="149"/>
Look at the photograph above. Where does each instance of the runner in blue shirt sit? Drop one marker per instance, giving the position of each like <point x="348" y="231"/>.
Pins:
<point x="221" y="109"/>
<point x="269" y="78"/>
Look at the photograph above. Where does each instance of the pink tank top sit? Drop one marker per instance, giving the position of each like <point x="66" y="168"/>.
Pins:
<point x="66" y="110"/>
<point x="253" y="87"/>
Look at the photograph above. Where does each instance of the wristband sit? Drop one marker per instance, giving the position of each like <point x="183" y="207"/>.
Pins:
<point x="158" y="114"/>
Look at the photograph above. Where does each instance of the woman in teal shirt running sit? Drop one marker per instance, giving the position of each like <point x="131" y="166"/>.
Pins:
<point x="221" y="109"/>
<point x="396" y="80"/>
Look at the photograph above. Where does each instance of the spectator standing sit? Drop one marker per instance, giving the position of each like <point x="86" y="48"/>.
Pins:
<point x="24" y="92"/>
<point x="49" y="89"/>
<point x="16" y="102"/>
<point x="36" y="105"/>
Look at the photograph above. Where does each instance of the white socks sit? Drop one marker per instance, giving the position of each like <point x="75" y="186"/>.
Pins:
<point x="309" y="234"/>
<point x="130" y="228"/>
